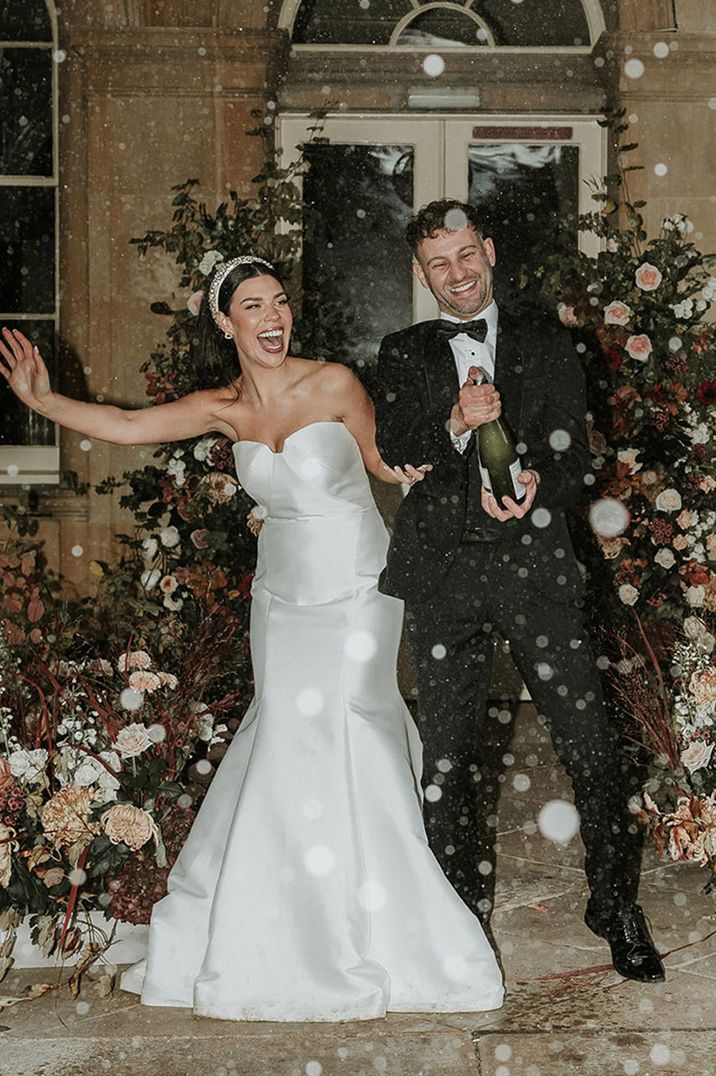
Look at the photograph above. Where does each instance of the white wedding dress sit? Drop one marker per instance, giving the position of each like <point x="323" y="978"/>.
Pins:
<point x="306" y="889"/>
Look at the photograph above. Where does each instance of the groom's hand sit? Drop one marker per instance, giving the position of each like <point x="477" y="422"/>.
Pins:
<point x="510" y="509"/>
<point x="477" y="404"/>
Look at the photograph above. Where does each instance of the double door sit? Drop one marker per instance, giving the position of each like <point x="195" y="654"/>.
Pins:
<point x="368" y="174"/>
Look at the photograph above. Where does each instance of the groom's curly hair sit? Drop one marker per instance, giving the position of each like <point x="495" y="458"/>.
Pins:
<point x="444" y="215"/>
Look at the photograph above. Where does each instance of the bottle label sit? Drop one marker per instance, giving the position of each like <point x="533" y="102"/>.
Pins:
<point x="515" y="472"/>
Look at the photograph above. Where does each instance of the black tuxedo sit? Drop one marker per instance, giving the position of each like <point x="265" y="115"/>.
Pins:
<point x="463" y="574"/>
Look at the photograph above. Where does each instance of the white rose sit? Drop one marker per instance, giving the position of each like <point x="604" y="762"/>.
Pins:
<point x="203" y="448"/>
<point x="150" y="578"/>
<point x="210" y="259"/>
<point x="176" y="469"/>
<point x="696" y="755"/>
<point x="169" y="537"/>
<point x="149" y="548"/>
<point x="696" y="596"/>
<point x="665" y="558"/>
<point x="28" y="766"/>
<point x="628" y="456"/>
<point x="132" y="740"/>
<point x="697" y="632"/>
<point x="172" y="604"/>
<point x="701" y="435"/>
<point x="669" y="500"/>
<point x="628" y="594"/>
<point x="709" y="289"/>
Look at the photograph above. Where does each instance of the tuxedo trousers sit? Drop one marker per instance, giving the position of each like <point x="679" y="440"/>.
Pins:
<point x="533" y="600"/>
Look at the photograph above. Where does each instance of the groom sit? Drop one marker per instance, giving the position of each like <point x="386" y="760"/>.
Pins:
<point x="466" y="565"/>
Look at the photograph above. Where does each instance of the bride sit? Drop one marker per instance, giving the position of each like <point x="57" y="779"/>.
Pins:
<point x="306" y="889"/>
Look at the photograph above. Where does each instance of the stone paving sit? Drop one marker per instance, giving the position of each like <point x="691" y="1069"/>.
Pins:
<point x="591" y="1025"/>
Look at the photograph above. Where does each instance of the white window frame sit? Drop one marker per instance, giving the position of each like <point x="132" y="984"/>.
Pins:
<point x="36" y="464"/>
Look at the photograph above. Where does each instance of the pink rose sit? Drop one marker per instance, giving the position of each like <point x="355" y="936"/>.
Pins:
<point x="168" y="584"/>
<point x="566" y="315"/>
<point x="647" y="277"/>
<point x="639" y="347"/>
<point x="617" y="313"/>
<point x="143" y="680"/>
<point x="5" y="771"/>
<point x="696" y="755"/>
<point x="199" y="538"/>
<point x="193" y="303"/>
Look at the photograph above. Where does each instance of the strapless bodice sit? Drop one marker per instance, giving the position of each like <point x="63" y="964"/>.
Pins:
<point x="322" y="537"/>
<point x="318" y="472"/>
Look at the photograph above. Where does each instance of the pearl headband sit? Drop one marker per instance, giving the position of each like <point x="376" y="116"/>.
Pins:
<point x="223" y="271"/>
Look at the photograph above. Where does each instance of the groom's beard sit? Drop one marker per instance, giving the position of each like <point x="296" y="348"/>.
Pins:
<point x="466" y="303"/>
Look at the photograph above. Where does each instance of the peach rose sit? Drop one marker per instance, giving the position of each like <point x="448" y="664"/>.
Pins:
<point x="168" y="584"/>
<point x="8" y="845"/>
<point x="617" y="313"/>
<point x="66" y="817"/>
<point x="566" y="315"/>
<point x="679" y="542"/>
<point x="132" y="740"/>
<point x="5" y="771"/>
<point x="125" y="822"/>
<point x="193" y="303"/>
<point x="711" y="546"/>
<point x="707" y="484"/>
<point x="647" y="277"/>
<point x="696" y="755"/>
<point x="702" y="686"/>
<point x="220" y="487"/>
<point x="168" y="680"/>
<point x="143" y="680"/>
<point x="685" y="518"/>
<point x="135" y="659"/>
<point x="639" y="347"/>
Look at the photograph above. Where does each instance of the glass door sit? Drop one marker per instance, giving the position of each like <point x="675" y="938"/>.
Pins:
<point x="369" y="173"/>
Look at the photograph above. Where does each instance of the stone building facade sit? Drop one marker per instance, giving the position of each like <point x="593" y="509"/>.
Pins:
<point x="150" y="92"/>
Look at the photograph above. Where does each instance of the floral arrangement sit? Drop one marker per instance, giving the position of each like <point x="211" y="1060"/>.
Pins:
<point x="107" y="746"/>
<point x="100" y="779"/>
<point x="637" y="311"/>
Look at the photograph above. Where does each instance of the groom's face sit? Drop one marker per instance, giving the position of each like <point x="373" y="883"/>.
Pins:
<point x="457" y="268"/>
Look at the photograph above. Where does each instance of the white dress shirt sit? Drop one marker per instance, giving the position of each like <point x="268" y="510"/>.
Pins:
<point x="468" y="352"/>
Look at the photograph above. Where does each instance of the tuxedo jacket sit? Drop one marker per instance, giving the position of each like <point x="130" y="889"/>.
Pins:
<point x="541" y="384"/>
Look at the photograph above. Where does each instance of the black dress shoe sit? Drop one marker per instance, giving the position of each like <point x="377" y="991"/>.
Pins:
<point x="633" y="952"/>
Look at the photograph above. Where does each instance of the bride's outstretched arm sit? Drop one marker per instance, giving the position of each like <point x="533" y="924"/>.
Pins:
<point x="23" y="368"/>
<point x="355" y="409"/>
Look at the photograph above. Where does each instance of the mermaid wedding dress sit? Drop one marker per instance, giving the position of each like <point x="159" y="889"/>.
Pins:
<point x="306" y="889"/>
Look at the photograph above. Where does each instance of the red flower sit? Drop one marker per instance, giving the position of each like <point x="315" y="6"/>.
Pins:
<point x="245" y="586"/>
<point x="706" y="393"/>
<point x="613" y="357"/>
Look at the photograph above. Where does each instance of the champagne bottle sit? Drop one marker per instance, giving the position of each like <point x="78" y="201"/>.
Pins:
<point x="498" y="460"/>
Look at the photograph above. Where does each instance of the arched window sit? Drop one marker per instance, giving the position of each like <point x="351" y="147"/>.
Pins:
<point x="28" y="219"/>
<point x="462" y="24"/>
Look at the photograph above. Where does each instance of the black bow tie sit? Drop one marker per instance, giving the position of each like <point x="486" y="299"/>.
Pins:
<point x="477" y="330"/>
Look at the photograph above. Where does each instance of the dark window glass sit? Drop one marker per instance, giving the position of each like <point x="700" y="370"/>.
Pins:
<point x="25" y="112"/>
<point x="442" y="27"/>
<point x="27" y="250"/>
<point x="355" y="254"/>
<point x="24" y="20"/>
<point x="371" y="22"/>
<point x="19" y="425"/>
<point x="525" y="194"/>
<point x="348" y="22"/>
<point x="549" y="22"/>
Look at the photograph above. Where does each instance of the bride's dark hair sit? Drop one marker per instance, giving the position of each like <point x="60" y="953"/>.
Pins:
<point x="217" y="360"/>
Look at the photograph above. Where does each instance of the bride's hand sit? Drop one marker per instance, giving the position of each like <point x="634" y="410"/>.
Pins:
<point x="255" y="520"/>
<point x="23" y="368"/>
<point x="409" y="475"/>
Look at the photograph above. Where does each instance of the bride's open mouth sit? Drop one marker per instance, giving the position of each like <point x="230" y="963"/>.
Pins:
<point x="271" y="340"/>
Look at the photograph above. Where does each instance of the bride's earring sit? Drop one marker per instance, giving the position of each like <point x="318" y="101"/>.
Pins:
<point x="228" y="336"/>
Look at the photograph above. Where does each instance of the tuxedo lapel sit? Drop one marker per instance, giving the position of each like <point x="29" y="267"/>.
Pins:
<point x="439" y="373"/>
<point x="511" y="371"/>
